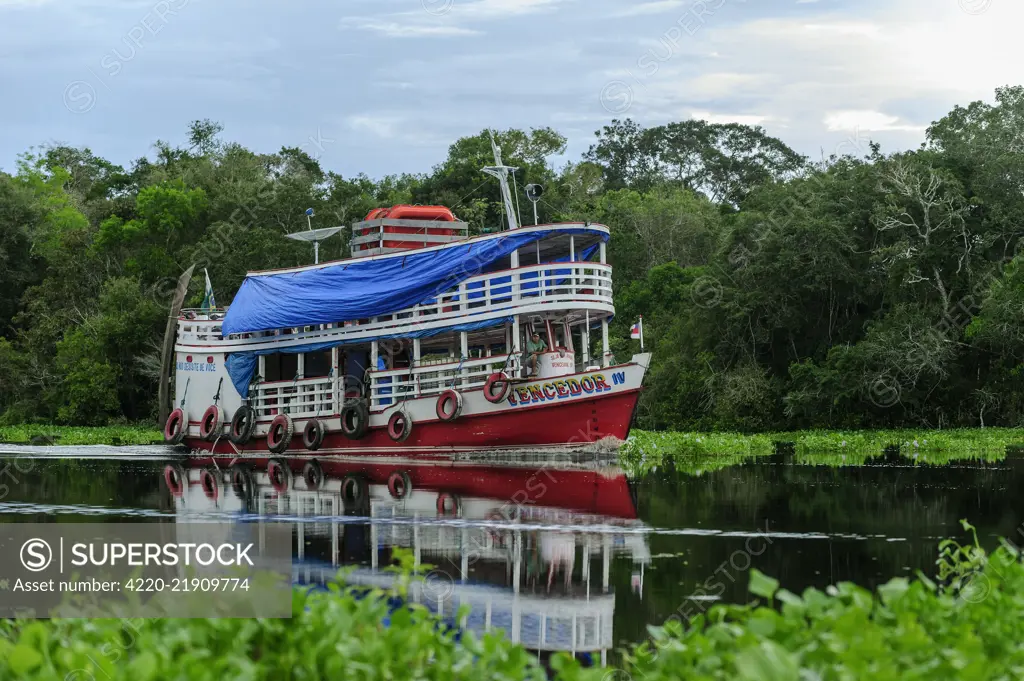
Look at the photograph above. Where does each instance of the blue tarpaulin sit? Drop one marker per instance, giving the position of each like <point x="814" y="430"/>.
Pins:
<point x="241" y="366"/>
<point x="346" y="291"/>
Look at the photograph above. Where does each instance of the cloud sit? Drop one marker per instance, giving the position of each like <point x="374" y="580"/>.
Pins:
<point x="386" y="127"/>
<point x="890" y="70"/>
<point x="656" y="7"/>
<point x="446" y="18"/>
<point x="498" y="9"/>
<point x="394" y="29"/>
<point x="866" y="121"/>
<point x="718" y="118"/>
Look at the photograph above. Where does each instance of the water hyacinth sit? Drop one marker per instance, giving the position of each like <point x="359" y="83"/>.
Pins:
<point x="712" y="451"/>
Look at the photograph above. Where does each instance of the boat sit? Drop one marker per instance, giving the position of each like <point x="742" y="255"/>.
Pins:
<point x="413" y="344"/>
<point x="526" y="543"/>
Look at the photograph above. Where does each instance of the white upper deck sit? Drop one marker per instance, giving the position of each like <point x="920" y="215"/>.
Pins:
<point x="545" y="277"/>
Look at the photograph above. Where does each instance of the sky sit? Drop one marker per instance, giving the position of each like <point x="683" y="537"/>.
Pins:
<point x="385" y="86"/>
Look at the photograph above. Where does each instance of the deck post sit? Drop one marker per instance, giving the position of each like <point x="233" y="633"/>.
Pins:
<point x="374" y="354"/>
<point x="585" y="340"/>
<point x="416" y="355"/>
<point x="606" y="563"/>
<point x="513" y="346"/>
<point x="339" y="381"/>
<point x="572" y="270"/>
<point x="605" y="348"/>
<point x="464" y="340"/>
<point x="604" y="253"/>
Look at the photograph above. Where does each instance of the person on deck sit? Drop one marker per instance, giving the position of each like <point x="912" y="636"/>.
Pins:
<point x="534" y="347"/>
<point x="382" y="366"/>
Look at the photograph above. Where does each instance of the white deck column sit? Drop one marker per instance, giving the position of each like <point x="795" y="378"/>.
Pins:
<point x="585" y="342"/>
<point x="605" y="348"/>
<point x="374" y="354"/>
<point x="464" y="340"/>
<point x="416" y="356"/>
<point x="572" y="258"/>
<point x="604" y="253"/>
<point x="338" y="384"/>
<point x="606" y="560"/>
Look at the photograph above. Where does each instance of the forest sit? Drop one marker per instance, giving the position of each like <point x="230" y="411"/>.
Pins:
<point x="778" y="292"/>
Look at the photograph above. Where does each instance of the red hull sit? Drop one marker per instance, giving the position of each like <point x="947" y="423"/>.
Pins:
<point x="543" y="425"/>
<point x="584" y="491"/>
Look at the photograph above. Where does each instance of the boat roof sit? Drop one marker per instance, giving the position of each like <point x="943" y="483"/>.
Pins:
<point x="557" y="242"/>
<point x="361" y="288"/>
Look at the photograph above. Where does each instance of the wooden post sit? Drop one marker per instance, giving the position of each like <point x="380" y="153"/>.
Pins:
<point x="167" y="355"/>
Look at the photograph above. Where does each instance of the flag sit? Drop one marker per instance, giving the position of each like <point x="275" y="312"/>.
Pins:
<point x="637" y="331"/>
<point x="208" y="300"/>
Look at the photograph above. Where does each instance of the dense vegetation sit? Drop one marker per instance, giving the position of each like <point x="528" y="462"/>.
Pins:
<point x="964" y="625"/>
<point x="65" y="435"/>
<point x="777" y="293"/>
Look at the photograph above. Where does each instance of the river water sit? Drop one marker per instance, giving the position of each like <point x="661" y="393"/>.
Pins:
<point x="563" y="553"/>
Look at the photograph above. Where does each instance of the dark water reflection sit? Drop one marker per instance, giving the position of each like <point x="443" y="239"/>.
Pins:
<point x="587" y="558"/>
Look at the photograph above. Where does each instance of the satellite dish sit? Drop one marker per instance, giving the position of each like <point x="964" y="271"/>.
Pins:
<point x="314" y="235"/>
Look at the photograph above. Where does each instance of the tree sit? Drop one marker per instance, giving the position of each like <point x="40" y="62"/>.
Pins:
<point x="202" y="136"/>
<point x="459" y="181"/>
<point x="19" y="268"/>
<point x="725" y="162"/>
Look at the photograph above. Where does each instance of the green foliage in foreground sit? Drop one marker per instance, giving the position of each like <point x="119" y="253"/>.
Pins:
<point x="908" y="629"/>
<point x="331" y="636"/>
<point x="63" y="435"/>
<point x="966" y="627"/>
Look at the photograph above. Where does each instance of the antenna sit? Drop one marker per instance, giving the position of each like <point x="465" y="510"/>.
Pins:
<point x="500" y="171"/>
<point x="314" y="235"/>
<point x="534" y="192"/>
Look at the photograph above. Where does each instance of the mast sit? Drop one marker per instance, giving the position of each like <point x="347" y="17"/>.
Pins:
<point x="500" y="171"/>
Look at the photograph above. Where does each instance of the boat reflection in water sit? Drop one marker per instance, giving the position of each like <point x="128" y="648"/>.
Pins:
<point x="527" y="542"/>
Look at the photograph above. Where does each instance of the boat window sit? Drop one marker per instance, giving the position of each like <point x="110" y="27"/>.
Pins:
<point x="281" y="367"/>
<point x="559" y="340"/>
<point x="317" y="364"/>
